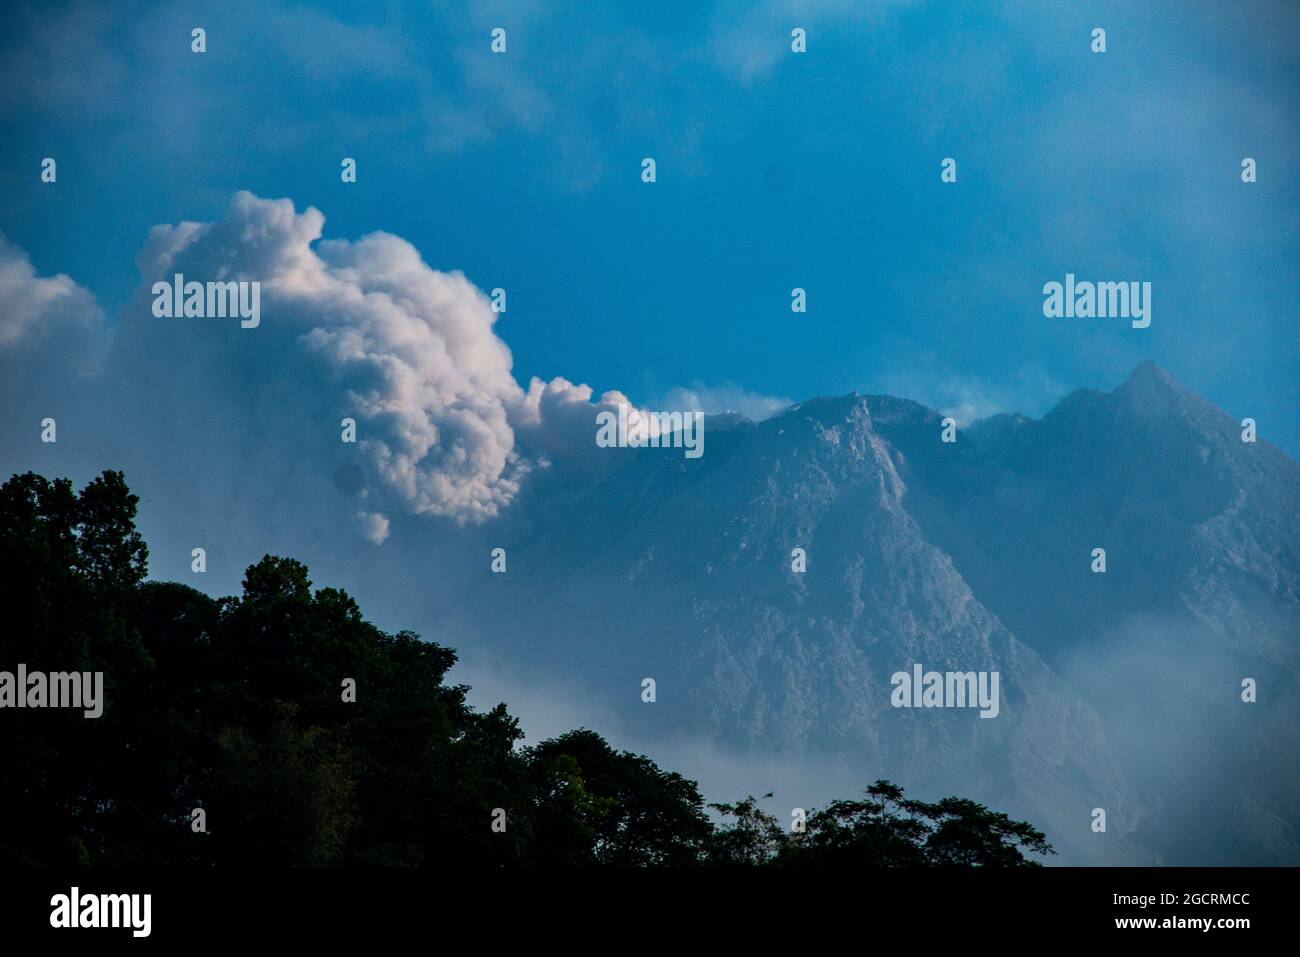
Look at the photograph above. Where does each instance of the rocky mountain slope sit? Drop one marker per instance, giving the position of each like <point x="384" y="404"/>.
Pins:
<point x="1118" y="690"/>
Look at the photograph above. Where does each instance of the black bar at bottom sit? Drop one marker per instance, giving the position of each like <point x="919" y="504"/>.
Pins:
<point x="540" y="907"/>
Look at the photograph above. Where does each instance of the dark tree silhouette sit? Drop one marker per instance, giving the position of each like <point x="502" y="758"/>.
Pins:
<point x="640" y="814"/>
<point x="889" y="830"/>
<point x="752" y="839"/>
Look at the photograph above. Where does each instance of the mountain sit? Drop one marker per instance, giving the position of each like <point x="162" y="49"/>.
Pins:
<point x="1119" y="690"/>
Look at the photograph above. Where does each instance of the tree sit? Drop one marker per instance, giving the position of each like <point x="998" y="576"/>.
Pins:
<point x="645" y="816"/>
<point x="889" y="830"/>
<point x="69" y="566"/>
<point x="753" y="839"/>
<point x="966" y="834"/>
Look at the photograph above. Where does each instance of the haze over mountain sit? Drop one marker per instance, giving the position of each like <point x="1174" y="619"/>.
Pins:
<point x="1120" y="690"/>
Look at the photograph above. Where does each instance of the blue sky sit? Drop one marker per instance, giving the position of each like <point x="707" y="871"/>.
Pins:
<point x="775" y="170"/>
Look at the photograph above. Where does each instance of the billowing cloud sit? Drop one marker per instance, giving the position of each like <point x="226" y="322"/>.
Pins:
<point x="362" y="330"/>
<point x="364" y="335"/>
<point x="559" y="419"/>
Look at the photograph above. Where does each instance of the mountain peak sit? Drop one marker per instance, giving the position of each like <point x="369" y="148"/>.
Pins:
<point x="1152" y="390"/>
<point x="1148" y="374"/>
